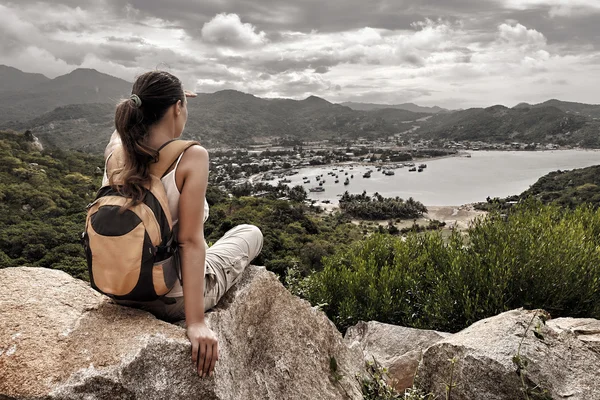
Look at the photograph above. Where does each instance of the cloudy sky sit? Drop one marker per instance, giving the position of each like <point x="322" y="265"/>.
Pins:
<point x="451" y="53"/>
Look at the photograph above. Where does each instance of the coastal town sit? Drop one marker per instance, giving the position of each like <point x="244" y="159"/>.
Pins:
<point x="280" y="159"/>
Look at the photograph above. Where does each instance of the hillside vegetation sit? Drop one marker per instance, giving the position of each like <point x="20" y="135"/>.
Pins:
<point x="43" y="196"/>
<point x="42" y="202"/>
<point x="568" y="189"/>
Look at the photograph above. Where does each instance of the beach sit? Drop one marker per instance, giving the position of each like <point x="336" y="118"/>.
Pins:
<point x="458" y="217"/>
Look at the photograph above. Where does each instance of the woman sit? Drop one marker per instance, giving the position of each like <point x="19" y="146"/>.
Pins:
<point x="155" y="114"/>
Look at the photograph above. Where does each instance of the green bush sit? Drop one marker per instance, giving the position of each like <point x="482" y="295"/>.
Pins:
<point x="535" y="257"/>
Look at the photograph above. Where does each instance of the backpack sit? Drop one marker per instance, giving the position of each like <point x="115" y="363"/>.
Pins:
<point x="132" y="254"/>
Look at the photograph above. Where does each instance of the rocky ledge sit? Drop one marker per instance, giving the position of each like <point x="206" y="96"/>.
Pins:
<point x="59" y="339"/>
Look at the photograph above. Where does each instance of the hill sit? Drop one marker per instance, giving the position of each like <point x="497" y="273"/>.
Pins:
<point x="568" y="188"/>
<point x="226" y="118"/>
<point x="76" y="111"/>
<point x="404" y="106"/>
<point x="547" y="124"/>
<point x="587" y="110"/>
<point x="26" y="96"/>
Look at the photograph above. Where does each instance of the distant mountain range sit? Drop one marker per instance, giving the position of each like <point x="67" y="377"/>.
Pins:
<point x="77" y="111"/>
<point x="24" y="96"/>
<point x="405" y="106"/>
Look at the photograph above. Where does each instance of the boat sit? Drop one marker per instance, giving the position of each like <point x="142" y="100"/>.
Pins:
<point x="420" y="170"/>
<point x="413" y="169"/>
<point x="352" y="176"/>
<point x="423" y="166"/>
<point x="346" y="173"/>
<point x="320" y="183"/>
<point x="389" y="172"/>
<point x="347" y="181"/>
<point x="286" y="181"/>
<point x="367" y="174"/>
<point x="337" y="181"/>
<point x="316" y="189"/>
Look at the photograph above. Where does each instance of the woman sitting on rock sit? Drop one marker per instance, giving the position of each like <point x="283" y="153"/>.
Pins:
<point x="155" y="115"/>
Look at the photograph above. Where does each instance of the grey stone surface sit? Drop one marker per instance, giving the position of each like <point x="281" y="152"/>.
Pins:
<point x="558" y="360"/>
<point x="396" y="348"/>
<point x="59" y="339"/>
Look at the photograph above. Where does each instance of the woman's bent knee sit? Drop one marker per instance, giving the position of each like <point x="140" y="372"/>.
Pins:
<point x="256" y="239"/>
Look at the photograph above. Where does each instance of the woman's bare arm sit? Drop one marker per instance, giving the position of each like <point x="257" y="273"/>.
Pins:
<point x="194" y="168"/>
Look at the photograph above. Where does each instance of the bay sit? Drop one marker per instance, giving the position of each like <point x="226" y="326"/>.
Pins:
<point x="451" y="181"/>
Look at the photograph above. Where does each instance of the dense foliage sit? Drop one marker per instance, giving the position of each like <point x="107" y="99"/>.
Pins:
<point x="568" y="188"/>
<point x="294" y="237"/>
<point x="536" y="257"/>
<point x="379" y="207"/>
<point x="42" y="201"/>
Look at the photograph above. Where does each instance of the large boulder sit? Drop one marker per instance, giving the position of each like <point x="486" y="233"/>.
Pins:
<point x="396" y="348"/>
<point x="501" y="357"/>
<point x="59" y="339"/>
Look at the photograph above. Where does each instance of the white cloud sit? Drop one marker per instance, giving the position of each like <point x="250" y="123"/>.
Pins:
<point x="518" y="34"/>
<point x="448" y="62"/>
<point x="228" y="30"/>
<point x="558" y="8"/>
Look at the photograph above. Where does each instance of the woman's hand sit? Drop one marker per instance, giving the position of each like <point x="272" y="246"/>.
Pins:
<point x="205" y="348"/>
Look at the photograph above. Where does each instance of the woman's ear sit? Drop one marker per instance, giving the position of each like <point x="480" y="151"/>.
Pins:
<point x="178" y="107"/>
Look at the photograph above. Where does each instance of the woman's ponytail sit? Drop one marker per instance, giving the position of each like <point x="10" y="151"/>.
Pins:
<point x="153" y="93"/>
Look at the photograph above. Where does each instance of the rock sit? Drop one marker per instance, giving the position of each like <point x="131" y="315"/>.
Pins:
<point x="560" y="359"/>
<point x="59" y="339"/>
<point x="396" y="348"/>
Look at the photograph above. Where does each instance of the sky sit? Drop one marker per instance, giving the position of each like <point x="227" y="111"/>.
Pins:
<point x="449" y="53"/>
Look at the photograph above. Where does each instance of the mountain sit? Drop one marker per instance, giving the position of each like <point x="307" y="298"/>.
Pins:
<point x="405" y="106"/>
<point x="543" y="124"/>
<point x="228" y="118"/>
<point x="26" y="96"/>
<point x="587" y="110"/>
<point x="77" y="111"/>
<point x="12" y="79"/>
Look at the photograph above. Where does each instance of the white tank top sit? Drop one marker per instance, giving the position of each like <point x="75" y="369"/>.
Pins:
<point x="170" y="188"/>
<point x="173" y="199"/>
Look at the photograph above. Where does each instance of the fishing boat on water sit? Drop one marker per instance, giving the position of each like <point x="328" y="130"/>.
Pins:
<point x="317" y="189"/>
<point x="347" y="181"/>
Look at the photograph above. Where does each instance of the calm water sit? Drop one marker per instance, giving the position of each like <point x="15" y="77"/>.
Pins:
<point x="455" y="180"/>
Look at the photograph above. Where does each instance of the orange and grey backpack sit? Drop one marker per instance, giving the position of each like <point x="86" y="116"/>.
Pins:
<point x="132" y="254"/>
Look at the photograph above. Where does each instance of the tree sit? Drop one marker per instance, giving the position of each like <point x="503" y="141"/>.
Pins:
<point x="297" y="193"/>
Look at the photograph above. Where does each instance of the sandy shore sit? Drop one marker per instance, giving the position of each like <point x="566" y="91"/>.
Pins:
<point x="454" y="216"/>
<point x="458" y="217"/>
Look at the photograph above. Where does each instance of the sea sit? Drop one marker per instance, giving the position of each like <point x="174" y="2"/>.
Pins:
<point x="450" y="181"/>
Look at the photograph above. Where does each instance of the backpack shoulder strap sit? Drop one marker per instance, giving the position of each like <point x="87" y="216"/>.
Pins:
<point x="168" y="154"/>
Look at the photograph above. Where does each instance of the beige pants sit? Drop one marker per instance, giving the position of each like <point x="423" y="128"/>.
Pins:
<point x="225" y="262"/>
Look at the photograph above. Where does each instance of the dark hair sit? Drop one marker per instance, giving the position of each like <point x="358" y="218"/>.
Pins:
<point x="156" y="91"/>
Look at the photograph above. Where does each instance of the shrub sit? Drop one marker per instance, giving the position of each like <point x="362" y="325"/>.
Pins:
<point x="535" y="257"/>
